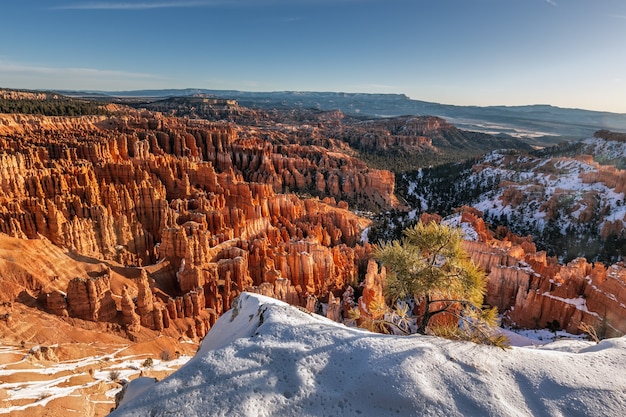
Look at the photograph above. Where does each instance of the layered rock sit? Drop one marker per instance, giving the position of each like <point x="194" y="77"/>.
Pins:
<point x="532" y="290"/>
<point x="56" y="303"/>
<point x="372" y="289"/>
<point x="333" y="310"/>
<point x="204" y="198"/>
<point x="145" y="303"/>
<point x="91" y="299"/>
<point x="130" y="318"/>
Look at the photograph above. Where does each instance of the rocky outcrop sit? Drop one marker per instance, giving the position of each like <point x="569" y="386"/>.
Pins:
<point x="417" y="134"/>
<point x="56" y="303"/>
<point x="141" y="189"/>
<point x="333" y="310"/>
<point x="145" y="303"/>
<point x="372" y="289"/>
<point x="43" y="353"/>
<point x="130" y="318"/>
<point x="608" y="135"/>
<point x="532" y="290"/>
<point x="91" y="299"/>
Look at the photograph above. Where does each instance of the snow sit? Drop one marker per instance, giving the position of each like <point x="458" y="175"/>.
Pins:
<point x="466" y="228"/>
<point x="495" y="128"/>
<point x="364" y="235"/>
<point x="140" y="385"/>
<point x="48" y="389"/>
<point x="266" y="358"/>
<point x="535" y="337"/>
<point x="540" y="179"/>
<point x="580" y="303"/>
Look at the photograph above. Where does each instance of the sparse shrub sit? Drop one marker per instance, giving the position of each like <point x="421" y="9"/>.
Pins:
<point x="114" y="374"/>
<point x="166" y="355"/>
<point x="590" y="330"/>
<point x="148" y="363"/>
<point x="554" y="326"/>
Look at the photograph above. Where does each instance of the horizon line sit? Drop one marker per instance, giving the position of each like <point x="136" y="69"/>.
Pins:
<point x="66" y="90"/>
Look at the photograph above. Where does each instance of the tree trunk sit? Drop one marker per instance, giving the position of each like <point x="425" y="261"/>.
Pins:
<point x="425" y="316"/>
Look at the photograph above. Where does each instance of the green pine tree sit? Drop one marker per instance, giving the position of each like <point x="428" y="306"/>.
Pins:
<point x="430" y="265"/>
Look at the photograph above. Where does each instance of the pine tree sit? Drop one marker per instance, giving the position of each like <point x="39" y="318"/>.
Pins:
<point x="430" y="265"/>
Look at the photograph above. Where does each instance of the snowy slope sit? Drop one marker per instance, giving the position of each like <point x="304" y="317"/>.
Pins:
<point x="265" y="358"/>
<point x="564" y="179"/>
<point x="565" y="197"/>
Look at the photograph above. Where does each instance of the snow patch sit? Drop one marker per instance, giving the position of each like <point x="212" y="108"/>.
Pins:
<point x="266" y="358"/>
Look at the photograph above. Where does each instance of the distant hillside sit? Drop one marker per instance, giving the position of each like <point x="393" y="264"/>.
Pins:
<point x="49" y="104"/>
<point x="523" y="121"/>
<point x="570" y="198"/>
<point x="405" y="143"/>
<point x="399" y="143"/>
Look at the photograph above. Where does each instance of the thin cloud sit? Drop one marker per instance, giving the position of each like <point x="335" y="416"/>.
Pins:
<point x="137" y="6"/>
<point x="552" y="2"/>
<point x="9" y="67"/>
<point x="147" y="5"/>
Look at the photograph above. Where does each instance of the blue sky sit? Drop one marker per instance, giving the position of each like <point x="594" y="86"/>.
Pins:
<point x="569" y="53"/>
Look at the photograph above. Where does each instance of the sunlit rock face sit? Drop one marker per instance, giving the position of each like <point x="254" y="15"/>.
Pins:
<point x="198" y="207"/>
<point x="196" y="211"/>
<point x="532" y="290"/>
<point x="91" y="299"/>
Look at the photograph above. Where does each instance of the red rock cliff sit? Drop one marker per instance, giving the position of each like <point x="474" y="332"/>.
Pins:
<point x="532" y="289"/>
<point x="202" y="200"/>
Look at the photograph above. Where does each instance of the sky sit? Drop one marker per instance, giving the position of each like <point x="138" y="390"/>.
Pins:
<point x="568" y="53"/>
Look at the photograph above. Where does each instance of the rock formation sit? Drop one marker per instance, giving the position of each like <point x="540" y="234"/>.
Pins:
<point x="531" y="289"/>
<point x="189" y="213"/>
<point x="56" y="303"/>
<point x="90" y="299"/>
<point x="141" y="189"/>
<point x="333" y="311"/>
<point x="130" y="318"/>
<point x="372" y="289"/>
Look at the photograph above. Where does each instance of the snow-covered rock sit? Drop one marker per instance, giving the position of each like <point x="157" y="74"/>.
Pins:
<point x="266" y="358"/>
<point x="570" y="198"/>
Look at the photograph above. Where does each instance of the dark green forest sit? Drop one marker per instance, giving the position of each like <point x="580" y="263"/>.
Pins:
<point x="63" y="106"/>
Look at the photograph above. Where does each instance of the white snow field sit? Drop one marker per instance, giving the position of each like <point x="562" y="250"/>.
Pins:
<point x="266" y="358"/>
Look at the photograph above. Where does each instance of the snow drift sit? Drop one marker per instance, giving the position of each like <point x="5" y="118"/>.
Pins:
<point x="266" y="358"/>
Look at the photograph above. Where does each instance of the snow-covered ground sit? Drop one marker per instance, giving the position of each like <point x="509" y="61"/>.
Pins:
<point x="266" y="358"/>
<point x="32" y="383"/>
<point x="569" y="182"/>
<point x="564" y="197"/>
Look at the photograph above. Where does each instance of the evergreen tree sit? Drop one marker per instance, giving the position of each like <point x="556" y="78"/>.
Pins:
<point x="430" y="265"/>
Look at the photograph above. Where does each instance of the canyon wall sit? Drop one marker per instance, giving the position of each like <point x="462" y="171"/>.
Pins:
<point x="141" y="189"/>
<point x="532" y="290"/>
<point x="186" y="214"/>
